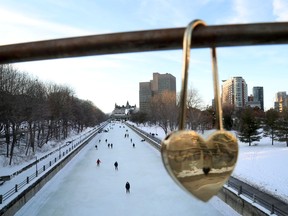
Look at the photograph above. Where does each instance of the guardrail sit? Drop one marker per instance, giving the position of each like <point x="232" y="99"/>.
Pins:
<point x="9" y="177"/>
<point x="229" y="184"/>
<point x="53" y="162"/>
<point x="255" y="198"/>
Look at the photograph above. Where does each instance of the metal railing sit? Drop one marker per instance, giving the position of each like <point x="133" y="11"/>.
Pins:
<point x="148" y="40"/>
<point x="255" y="199"/>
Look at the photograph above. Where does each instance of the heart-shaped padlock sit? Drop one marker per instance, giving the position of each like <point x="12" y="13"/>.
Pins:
<point x="200" y="166"/>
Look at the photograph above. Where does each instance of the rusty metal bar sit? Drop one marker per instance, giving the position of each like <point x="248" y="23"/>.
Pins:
<point x="149" y="40"/>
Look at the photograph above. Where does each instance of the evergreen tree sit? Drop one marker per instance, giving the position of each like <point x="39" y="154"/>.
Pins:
<point x="227" y="116"/>
<point x="248" y="130"/>
<point x="271" y="124"/>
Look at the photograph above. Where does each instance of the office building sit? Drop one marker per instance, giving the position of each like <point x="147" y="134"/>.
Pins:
<point x="159" y="83"/>
<point x="258" y="96"/>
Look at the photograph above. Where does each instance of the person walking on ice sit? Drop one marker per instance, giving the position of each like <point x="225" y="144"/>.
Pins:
<point x="98" y="162"/>
<point x="127" y="186"/>
<point x="116" y="165"/>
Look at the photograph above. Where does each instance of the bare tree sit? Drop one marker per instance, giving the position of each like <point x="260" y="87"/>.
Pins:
<point x="164" y="110"/>
<point x="194" y="106"/>
<point x="39" y="111"/>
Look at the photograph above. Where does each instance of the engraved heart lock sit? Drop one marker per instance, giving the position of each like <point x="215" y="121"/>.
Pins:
<point x="199" y="166"/>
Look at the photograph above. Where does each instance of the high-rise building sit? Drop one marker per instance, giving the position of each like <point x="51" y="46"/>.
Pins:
<point x="145" y="95"/>
<point x="258" y="96"/>
<point x="281" y="101"/>
<point x="160" y="83"/>
<point x="234" y="92"/>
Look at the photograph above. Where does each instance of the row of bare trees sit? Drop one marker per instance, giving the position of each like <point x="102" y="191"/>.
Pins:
<point x="164" y="111"/>
<point x="39" y="111"/>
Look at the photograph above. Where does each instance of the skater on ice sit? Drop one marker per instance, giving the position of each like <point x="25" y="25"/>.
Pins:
<point x="98" y="162"/>
<point x="116" y="165"/>
<point x="127" y="186"/>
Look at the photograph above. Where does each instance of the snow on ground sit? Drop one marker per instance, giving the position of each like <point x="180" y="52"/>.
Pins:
<point x="262" y="165"/>
<point x="50" y="146"/>
<point x="82" y="188"/>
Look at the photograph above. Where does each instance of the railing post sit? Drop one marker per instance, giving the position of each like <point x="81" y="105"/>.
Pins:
<point x="272" y="209"/>
<point x="240" y="190"/>
<point x="254" y="198"/>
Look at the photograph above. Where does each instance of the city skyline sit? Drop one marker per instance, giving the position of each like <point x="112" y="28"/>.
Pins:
<point x="109" y="79"/>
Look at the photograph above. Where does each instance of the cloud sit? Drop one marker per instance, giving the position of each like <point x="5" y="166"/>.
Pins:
<point x="21" y="27"/>
<point x="280" y="10"/>
<point x="247" y="11"/>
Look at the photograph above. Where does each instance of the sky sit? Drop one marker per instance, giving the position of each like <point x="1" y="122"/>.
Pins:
<point x="109" y="79"/>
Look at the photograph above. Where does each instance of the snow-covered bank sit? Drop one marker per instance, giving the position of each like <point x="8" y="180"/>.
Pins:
<point x="261" y="165"/>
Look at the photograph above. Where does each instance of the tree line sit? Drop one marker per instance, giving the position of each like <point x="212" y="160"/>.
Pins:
<point x="251" y="124"/>
<point x="37" y="112"/>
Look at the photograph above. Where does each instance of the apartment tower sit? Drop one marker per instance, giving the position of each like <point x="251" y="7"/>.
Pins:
<point x="234" y="92"/>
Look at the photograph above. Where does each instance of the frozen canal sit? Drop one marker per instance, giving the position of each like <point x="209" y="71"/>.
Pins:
<point x="83" y="188"/>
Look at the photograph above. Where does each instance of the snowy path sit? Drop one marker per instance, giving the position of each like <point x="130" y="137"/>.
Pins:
<point x="82" y="188"/>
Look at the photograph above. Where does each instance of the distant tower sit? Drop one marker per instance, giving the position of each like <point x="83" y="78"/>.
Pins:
<point x="258" y="96"/>
<point x="281" y="101"/>
<point x="234" y="92"/>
